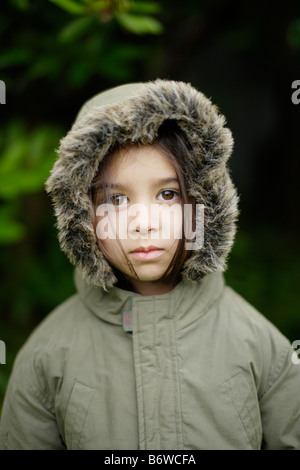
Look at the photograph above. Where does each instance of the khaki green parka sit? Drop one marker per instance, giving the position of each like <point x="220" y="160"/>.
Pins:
<point x="195" y="368"/>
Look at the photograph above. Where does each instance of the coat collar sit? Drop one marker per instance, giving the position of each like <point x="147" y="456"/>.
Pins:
<point x="187" y="302"/>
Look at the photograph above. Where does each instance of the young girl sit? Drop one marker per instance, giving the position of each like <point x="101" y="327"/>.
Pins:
<point x="154" y="351"/>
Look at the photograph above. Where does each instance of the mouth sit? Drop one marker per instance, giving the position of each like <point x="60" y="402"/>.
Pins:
<point x="147" y="253"/>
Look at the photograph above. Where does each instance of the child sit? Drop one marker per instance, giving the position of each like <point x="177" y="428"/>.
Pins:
<point x="154" y="351"/>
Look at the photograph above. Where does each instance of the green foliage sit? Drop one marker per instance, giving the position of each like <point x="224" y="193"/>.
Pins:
<point x="264" y="269"/>
<point x="41" y="43"/>
<point x="71" y="6"/>
<point x="74" y="29"/>
<point x="26" y="159"/>
<point x="132" y="16"/>
<point x="293" y="34"/>
<point x="139" y="24"/>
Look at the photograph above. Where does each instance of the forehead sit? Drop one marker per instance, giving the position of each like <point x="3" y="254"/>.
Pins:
<point x="140" y="160"/>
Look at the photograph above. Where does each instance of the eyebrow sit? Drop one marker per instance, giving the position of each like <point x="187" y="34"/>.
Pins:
<point x="158" y="182"/>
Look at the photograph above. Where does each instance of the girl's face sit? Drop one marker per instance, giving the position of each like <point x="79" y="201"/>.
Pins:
<point x="144" y="210"/>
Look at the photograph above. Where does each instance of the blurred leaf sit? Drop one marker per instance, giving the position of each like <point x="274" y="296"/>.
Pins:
<point x="139" y="24"/>
<point x="293" y="34"/>
<point x="98" y="5"/>
<point x="26" y="159"/>
<point x="75" y="29"/>
<point x="118" y="63"/>
<point x="14" y="57"/>
<point x="11" y="231"/>
<point x="70" y="6"/>
<point x="48" y="67"/>
<point x="20" y="4"/>
<point x="148" y="8"/>
<point x="79" y="74"/>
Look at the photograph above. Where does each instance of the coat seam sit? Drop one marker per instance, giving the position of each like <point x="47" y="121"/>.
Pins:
<point x="85" y="418"/>
<point x="157" y="369"/>
<point x="173" y="385"/>
<point x="252" y="421"/>
<point x="238" y="412"/>
<point x="178" y="420"/>
<point x="179" y="432"/>
<point x="38" y="394"/>
<point x="141" y="380"/>
<point x="275" y="374"/>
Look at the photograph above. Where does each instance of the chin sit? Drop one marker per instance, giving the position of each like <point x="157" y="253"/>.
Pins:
<point x="147" y="277"/>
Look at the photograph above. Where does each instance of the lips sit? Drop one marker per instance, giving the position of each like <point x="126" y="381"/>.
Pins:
<point x="147" y="253"/>
<point x="145" y="248"/>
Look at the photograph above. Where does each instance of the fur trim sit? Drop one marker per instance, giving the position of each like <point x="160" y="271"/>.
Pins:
<point x="134" y="113"/>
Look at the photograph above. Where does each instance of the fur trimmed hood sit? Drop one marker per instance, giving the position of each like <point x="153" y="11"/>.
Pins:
<point x="134" y="113"/>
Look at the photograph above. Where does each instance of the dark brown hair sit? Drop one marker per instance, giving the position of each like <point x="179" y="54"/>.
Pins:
<point x="172" y="141"/>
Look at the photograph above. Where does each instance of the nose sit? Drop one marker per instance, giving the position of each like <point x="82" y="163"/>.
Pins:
<point x="145" y="218"/>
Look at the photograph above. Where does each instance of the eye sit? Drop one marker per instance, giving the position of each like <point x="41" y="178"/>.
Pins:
<point x="118" y="200"/>
<point x="168" y="195"/>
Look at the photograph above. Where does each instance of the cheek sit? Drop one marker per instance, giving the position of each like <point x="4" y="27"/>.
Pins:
<point x="104" y="229"/>
<point x="112" y="250"/>
<point x="111" y="226"/>
<point x="105" y="222"/>
<point x="178" y="224"/>
<point x="171" y="222"/>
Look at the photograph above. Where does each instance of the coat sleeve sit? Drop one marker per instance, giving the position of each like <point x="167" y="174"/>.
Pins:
<point x="280" y="403"/>
<point x="28" y="419"/>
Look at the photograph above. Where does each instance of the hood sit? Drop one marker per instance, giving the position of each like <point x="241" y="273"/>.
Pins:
<point x="129" y="114"/>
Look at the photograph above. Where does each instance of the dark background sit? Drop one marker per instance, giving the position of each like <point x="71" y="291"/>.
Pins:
<point x="243" y="55"/>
